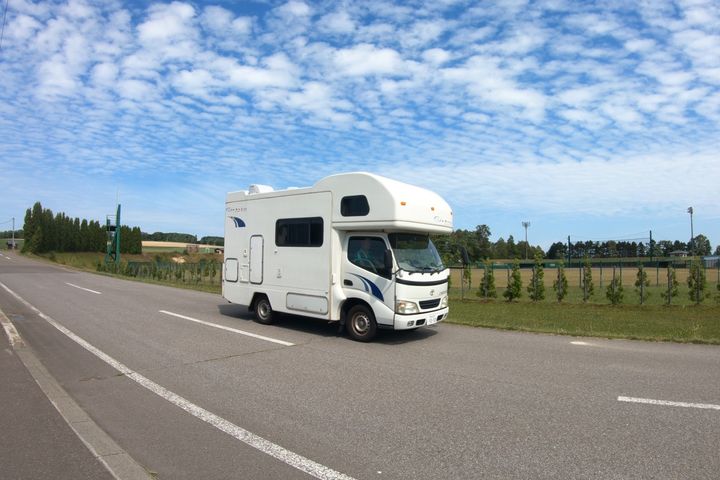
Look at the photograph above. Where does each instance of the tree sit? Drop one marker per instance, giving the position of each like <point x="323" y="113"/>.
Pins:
<point x="702" y="246"/>
<point x="587" y="281"/>
<point x="557" y="250"/>
<point x="500" y="249"/>
<point x="560" y="285"/>
<point x="641" y="284"/>
<point x="512" y="248"/>
<point x="672" y="286"/>
<point x="614" y="291"/>
<point x="536" y="287"/>
<point x="487" y="283"/>
<point x="717" y="250"/>
<point x="514" y="286"/>
<point x="482" y="240"/>
<point x="696" y="281"/>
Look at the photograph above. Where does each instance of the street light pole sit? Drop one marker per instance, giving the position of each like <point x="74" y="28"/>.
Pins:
<point x="692" y="236"/>
<point x="526" y="225"/>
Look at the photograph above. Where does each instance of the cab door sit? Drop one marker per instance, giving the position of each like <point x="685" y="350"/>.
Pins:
<point x="365" y="275"/>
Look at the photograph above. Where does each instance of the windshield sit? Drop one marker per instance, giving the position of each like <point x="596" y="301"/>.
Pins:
<point x="415" y="252"/>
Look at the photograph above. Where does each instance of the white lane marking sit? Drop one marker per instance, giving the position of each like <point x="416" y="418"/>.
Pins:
<point x="581" y="343"/>
<point x="13" y="336"/>
<point x="83" y="288"/>
<point x="276" y="451"/>
<point x="234" y="330"/>
<point x="667" y="403"/>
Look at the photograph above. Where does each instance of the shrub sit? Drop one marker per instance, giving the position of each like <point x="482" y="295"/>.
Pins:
<point x="641" y="284"/>
<point x="536" y="288"/>
<point x="560" y="285"/>
<point x="487" y="283"/>
<point x="514" y="286"/>
<point x="587" y="281"/>
<point x="614" y="291"/>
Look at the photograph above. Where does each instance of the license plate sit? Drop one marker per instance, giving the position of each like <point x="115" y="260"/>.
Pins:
<point x="431" y="321"/>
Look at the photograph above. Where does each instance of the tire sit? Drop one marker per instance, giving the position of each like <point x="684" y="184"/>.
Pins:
<point x="360" y="323"/>
<point x="263" y="311"/>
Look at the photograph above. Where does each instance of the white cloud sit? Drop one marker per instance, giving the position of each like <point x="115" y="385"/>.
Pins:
<point x="104" y="74"/>
<point x="337" y="22"/>
<point x="136" y="90"/>
<point x="490" y="83"/>
<point x="366" y="59"/>
<point x="295" y="8"/>
<point x="167" y="23"/>
<point x="640" y="45"/>
<point x="436" y="56"/>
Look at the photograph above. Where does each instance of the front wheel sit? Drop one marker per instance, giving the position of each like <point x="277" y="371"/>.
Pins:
<point x="263" y="311"/>
<point x="361" y="324"/>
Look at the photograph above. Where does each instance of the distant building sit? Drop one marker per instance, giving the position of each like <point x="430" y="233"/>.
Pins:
<point x="712" y="261"/>
<point x="679" y="253"/>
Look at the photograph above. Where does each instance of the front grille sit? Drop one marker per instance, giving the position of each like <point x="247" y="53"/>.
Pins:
<point x="425" y="304"/>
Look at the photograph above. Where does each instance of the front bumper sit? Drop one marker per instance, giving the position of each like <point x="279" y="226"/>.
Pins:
<point x="408" y="322"/>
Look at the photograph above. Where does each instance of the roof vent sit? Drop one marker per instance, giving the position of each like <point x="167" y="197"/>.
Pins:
<point x="260" y="189"/>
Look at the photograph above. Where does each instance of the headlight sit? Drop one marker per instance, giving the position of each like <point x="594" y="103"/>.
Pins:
<point x="405" y="307"/>
<point x="444" y="302"/>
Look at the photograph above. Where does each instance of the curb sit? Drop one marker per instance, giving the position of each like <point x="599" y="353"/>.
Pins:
<point x="116" y="460"/>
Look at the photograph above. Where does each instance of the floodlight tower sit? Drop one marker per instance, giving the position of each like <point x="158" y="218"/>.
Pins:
<point x="692" y="236"/>
<point x="526" y="225"/>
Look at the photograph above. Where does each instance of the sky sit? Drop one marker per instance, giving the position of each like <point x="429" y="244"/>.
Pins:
<point x="595" y="120"/>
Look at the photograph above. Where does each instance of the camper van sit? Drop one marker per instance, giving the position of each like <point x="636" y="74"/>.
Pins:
<point x="354" y="248"/>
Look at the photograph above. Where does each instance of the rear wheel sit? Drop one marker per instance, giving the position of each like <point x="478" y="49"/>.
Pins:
<point x="263" y="310"/>
<point x="361" y="324"/>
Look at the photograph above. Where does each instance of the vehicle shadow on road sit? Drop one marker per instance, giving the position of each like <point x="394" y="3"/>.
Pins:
<point x="323" y="328"/>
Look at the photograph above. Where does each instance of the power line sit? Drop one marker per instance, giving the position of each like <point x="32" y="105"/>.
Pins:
<point x="2" y="32"/>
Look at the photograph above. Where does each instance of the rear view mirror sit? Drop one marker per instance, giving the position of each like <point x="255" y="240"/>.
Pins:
<point x="388" y="261"/>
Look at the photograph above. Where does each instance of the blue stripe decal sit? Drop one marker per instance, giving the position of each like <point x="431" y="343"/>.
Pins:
<point x="238" y="222"/>
<point x="371" y="287"/>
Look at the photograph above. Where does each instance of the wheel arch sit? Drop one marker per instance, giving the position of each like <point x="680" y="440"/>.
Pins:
<point x="350" y="303"/>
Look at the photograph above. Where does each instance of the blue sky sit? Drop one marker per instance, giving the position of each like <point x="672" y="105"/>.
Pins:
<point x="598" y="120"/>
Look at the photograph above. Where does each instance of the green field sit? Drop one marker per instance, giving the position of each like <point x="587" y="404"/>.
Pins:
<point x="696" y="324"/>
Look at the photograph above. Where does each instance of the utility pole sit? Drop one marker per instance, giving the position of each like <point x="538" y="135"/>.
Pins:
<point x="526" y="225"/>
<point x="568" y="252"/>
<point x="692" y="236"/>
<point x="13" y="234"/>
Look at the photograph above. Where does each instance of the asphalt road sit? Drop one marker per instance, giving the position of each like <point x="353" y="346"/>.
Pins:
<point x="446" y="402"/>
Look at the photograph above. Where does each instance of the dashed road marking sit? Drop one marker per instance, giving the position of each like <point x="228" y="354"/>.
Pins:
<point x="668" y="403"/>
<point x="83" y="288"/>
<point x="229" y="329"/>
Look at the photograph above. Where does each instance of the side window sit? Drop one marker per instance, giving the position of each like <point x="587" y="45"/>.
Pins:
<point x="368" y="253"/>
<point x="354" y="206"/>
<point x="299" y="232"/>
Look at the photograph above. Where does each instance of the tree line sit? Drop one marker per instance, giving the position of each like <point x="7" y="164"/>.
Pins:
<point x="479" y="247"/>
<point x="46" y="232"/>
<point x="182" y="238"/>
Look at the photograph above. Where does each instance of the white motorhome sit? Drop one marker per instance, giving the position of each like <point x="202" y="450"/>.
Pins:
<point x="353" y="248"/>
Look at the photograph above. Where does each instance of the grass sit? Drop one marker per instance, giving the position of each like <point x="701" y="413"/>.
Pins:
<point x="676" y="323"/>
<point x="88" y="262"/>
<point x="680" y="322"/>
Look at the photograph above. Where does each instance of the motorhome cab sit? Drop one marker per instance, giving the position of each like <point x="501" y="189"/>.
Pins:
<point x="353" y="248"/>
